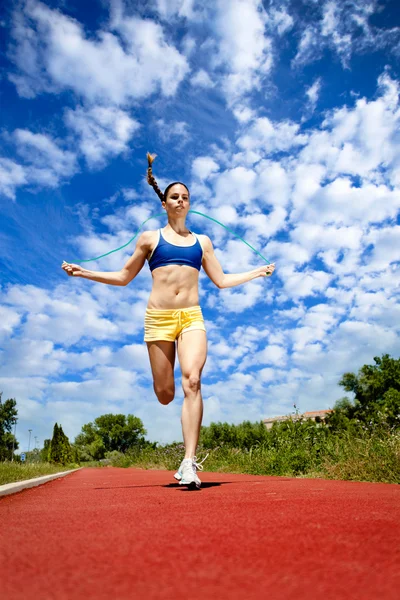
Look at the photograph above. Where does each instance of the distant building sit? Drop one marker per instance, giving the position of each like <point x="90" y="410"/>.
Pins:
<point x="314" y="415"/>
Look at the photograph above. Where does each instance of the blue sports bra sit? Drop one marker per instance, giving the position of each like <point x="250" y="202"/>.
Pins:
<point x="165" y="254"/>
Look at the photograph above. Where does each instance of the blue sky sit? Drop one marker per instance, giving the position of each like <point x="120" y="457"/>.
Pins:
<point x="283" y="119"/>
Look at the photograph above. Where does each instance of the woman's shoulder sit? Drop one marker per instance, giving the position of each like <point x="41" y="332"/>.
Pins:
<point x="203" y="238"/>
<point x="149" y="237"/>
<point x="150" y="233"/>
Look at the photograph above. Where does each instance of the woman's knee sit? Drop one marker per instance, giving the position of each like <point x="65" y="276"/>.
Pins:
<point x="165" y="394"/>
<point x="191" y="384"/>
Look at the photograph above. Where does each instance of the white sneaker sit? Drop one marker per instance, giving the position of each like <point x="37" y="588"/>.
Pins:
<point x="178" y="474"/>
<point x="187" y="472"/>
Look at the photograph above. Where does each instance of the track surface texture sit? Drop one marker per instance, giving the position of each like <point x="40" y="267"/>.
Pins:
<point x="136" y="534"/>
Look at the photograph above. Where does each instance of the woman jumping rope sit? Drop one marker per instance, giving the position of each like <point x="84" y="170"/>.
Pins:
<point x="173" y="319"/>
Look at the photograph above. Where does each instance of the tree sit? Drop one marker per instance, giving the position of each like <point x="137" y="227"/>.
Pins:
<point x="45" y="451"/>
<point x="60" y="448"/>
<point x="8" y="415"/>
<point x="340" y="418"/>
<point x="54" y="449"/>
<point x="75" y="454"/>
<point x="376" y="391"/>
<point x="244" y="435"/>
<point x="89" y="443"/>
<point x="107" y="433"/>
<point x="66" y="450"/>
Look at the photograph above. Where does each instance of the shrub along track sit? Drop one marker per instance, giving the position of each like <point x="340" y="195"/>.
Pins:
<point x="130" y="533"/>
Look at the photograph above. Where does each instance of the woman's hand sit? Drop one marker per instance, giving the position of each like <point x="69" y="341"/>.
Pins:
<point x="265" y="271"/>
<point x="71" y="269"/>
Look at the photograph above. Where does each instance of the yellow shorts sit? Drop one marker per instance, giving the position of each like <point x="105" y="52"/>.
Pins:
<point x="168" y="324"/>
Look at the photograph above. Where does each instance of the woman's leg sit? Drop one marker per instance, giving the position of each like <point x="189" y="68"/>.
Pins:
<point x="162" y="361"/>
<point x="192" y="354"/>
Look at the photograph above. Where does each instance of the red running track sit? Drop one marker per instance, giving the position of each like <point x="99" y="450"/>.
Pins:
<point x="134" y="534"/>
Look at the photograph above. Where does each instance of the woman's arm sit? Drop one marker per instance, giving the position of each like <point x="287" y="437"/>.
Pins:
<point x="223" y="280"/>
<point x="109" y="277"/>
<point x="128" y="272"/>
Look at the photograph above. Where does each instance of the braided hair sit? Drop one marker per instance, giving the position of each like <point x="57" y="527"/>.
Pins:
<point x="151" y="180"/>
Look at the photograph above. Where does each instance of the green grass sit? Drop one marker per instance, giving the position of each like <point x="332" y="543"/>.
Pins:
<point x="363" y="458"/>
<point x="13" y="471"/>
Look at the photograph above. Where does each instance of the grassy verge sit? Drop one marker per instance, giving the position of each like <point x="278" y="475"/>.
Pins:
<point x="11" y="471"/>
<point x="365" y="458"/>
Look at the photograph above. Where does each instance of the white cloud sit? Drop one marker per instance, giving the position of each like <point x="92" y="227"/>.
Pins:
<point x="344" y="28"/>
<point x="377" y="307"/>
<point x="381" y="339"/>
<point x="364" y="137"/>
<point x="188" y="45"/>
<point x="177" y="129"/>
<point x="12" y="175"/>
<point x="280" y="20"/>
<point x="39" y="149"/>
<point x="9" y="320"/>
<point x="312" y="94"/>
<point x="316" y="324"/>
<point x="202" y="79"/>
<point x="287" y="253"/>
<point x="171" y="8"/>
<point x="225" y="213"/>
<point x="52" y="53"/>
<point x="243" y="113"/>
<point x="103" y="132"/>
<point x="272" y="355"/>
<point x="307" y="283"/>
<point x="342" y="203"/>
<point x="46" y="164"/>
<point x="362" y="142"/>
<point x="237" y="184"/>
<point x="317" y="237"/>
<point x="330" y="27"/>
<point x="274" y="184"/>
<point x="204" y="166"/>
<point x="265" y="137"/>
<point x="235" y="301"/>
<point x="308" y="48"/>
<point x="45" y="318"/>
<point x="263" y="226"/>
<point x="386" y="246"/>
<point x="244" y="50"/>
<point x="30" y="357"/>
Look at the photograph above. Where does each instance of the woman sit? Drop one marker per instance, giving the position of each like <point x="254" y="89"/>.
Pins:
<point x="173" y="315"/>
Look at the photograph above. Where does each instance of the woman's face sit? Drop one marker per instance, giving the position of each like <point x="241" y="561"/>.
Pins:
<point x="178" y="201"/>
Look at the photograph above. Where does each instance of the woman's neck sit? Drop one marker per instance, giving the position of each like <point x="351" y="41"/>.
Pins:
<point x="178" y="226"/>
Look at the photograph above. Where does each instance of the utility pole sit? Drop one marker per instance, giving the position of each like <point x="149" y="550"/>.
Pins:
<point x="29" y="443"/>
<point x="36" y="457"/>
<point x="15" y="429"/>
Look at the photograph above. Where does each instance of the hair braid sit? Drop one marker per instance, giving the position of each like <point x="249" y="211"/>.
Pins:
<point x="150" y="177"/>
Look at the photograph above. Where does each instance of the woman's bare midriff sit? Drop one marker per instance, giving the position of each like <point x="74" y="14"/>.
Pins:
<point x="174" y="286"/>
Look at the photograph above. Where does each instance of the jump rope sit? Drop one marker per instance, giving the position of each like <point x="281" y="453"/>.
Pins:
<point x="195" y="212"/>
